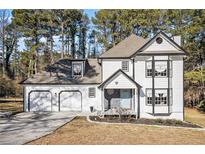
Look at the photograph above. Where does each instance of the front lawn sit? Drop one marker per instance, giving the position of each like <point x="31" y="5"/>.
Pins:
<point x="80" y="131"/>
<point x="11" y="106"/>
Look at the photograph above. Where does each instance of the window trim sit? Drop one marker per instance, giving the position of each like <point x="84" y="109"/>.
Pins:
<point x="94" y="93"/>
<point x="127" y="61"/>
<point x="170" y="98"/>
<point x="170" y="71"/>
<point x="77" y="62"/>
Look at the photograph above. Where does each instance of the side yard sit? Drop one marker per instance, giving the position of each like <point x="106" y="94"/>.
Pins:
<point x="194" y="116"/>
<point x="80" y="131"/>
<point x="11" y="105"/>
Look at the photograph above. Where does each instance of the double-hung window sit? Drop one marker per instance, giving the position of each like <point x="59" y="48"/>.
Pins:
<point x="160" y="95"/>
<point x="91" y="92"/>
<point x="125" y="65"/>
<point x="160" y="68"/>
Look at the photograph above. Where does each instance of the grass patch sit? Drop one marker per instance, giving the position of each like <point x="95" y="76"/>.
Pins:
<point x="14" y="107"/>
<point x="194" y="116"/>
<point x="81" y="132"/>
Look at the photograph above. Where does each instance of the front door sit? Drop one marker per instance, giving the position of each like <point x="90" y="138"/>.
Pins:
<point x="126" y="98"/>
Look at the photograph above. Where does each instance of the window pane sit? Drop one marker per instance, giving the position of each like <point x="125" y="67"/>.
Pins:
<point x="149" y="68"/>
<point x="160" y="68"/>
<point x="77" y="69"/>
<point x="125" y="65"/>
<point x="160" y="96"/>
<point x="91" y="92"/>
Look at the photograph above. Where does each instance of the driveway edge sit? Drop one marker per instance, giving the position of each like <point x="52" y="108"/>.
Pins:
<point x="49" y="132"/>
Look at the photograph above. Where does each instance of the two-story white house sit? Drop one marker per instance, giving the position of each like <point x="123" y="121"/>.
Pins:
<point x="141" y="75"/>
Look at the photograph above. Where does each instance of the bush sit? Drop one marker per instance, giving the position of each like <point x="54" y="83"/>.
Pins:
<point x="169" y="121"/>
<point x="159" y="121"/>
<point x="10" y="88"/>
<point x="178" y="122"/>
<point x="201" y="106"/>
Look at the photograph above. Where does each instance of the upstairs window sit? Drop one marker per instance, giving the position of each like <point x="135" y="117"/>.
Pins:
<point x="77" y="69"/>
<point x="91" y="92"/>
<point x="160" y="69"/>
<point x="125" y="65"/>
<point x="149" y="68"/>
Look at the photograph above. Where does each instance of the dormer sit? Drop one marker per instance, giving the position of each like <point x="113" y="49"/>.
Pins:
<point x="78" y="68"/>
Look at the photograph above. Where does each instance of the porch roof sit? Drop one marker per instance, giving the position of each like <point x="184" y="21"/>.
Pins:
<point x="117" y="73"/>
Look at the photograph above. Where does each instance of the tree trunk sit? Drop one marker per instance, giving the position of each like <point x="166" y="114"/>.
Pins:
<point x="73" y="45"/>
<point x="51" y="51"/>
<point x="68" y="45"/>
<point x="84" y="42"/>
<point x="62" y="39"/>
<point x="3" y="44"/>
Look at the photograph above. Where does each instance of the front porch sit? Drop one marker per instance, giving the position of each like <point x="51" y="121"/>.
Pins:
<point x="120" y="95"/>
<point x="119" y="98"/>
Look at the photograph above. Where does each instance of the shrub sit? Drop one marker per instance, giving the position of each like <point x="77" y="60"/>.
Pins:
<point x="201" y="106"/>
<point x="159" y="120"/>
<point x="169" y="121"/>
<point x="10" y="88"/>
<point x="178" y="122"/>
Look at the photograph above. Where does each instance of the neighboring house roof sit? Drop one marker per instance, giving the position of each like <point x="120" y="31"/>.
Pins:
<point x="134" y="45"/>
<point x="61" y="73"/>
<point x="116" y="74"/>
<point x="125" y="48"/>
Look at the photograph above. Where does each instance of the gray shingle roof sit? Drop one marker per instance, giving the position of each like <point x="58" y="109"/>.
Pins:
<point x="125" y="48"/>
<point x="61" y="73"/>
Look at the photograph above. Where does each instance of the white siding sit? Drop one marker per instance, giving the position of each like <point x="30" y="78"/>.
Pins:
<point x="176" y="83"/>
<point x="110" y="66"/>
<point x="120" y="82"/>
<point x="56" y="89"/>
<point x="164" y="47"/>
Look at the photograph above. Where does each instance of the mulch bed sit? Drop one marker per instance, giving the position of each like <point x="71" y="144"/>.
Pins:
<point x="132" y="119"/>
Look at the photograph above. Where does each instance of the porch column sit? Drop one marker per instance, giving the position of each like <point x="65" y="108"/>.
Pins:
<point x="136" y="101"/>
<point x="102" y="99"/>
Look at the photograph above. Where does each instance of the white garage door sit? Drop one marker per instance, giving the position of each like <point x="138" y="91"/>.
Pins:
<point x="70" y="101"/>
<point x="40" y="101"/>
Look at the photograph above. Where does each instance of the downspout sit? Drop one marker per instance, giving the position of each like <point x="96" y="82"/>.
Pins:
<point x="183" y="90"/>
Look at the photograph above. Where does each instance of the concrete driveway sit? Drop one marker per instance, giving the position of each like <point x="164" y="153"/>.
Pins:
<point x="27" y="126"/>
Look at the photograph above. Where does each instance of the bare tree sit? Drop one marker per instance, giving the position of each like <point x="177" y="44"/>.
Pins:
<point x="4" y="21"/>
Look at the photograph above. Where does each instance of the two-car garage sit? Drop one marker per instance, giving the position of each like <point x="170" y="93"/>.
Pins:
<point x="42" y="100"/>
<point x="62" y="98"/>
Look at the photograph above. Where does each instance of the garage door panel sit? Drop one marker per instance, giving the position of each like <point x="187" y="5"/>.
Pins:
<point x="40" y="101"/>
<point x="70" y="101"/>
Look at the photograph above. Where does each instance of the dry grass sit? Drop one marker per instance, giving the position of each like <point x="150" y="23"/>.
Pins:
<point x="194" y="116"/>
<point x="80" y="131"/>
<point x="14" y="107"/>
